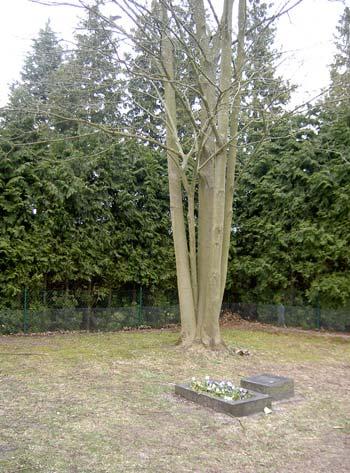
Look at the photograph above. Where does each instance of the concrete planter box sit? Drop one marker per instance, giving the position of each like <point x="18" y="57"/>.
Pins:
<point x="277" y="387"/>
<point x="242" y="408"/>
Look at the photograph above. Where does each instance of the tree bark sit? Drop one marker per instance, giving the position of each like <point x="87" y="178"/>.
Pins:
<point x="201" y="269"/>
<point x="232" y="151"/>
<point x="185" y="290"/>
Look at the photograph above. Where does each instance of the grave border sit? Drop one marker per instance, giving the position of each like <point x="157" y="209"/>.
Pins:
<point x="240" y="408"/>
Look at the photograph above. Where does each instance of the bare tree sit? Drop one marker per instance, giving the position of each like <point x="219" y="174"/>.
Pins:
<point x="205" y="170"/>
<point x="202" y="158"/>
<point x="201" y="162"/>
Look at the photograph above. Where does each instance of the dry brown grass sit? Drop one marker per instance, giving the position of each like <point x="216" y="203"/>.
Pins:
<point x="93" y="403"/>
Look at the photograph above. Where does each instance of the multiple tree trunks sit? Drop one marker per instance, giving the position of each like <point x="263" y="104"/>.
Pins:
<point x="201" y="259"/>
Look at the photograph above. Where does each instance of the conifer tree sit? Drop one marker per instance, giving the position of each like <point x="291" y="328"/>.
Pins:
<point x="39" y="68"/>
<point x="293" y="207"/>
<point x="88" y="86"/>
<point x="24" y="130"/>
<point x="78" y="208"/>
<point x="265" y="93"/>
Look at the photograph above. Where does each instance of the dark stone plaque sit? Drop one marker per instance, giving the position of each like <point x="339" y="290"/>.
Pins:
<point x="277" y="387"/>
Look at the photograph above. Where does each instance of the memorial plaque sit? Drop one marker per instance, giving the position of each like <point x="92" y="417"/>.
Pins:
<point x="277" y="387"/>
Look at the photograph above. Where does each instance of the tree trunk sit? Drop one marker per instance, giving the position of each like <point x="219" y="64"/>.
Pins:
<point x="201" y="269"/>
<point x="185" y="290"/>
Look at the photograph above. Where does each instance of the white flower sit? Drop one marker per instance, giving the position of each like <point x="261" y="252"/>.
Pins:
<point x="207" y="378"/>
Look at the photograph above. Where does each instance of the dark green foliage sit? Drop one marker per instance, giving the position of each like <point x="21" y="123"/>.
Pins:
<point x="39" y="69"/>
<point x="87" y="86"/>
<point x="78" y="209"/>
<point x="264" y="92"/>
<point x="103" y="221"/>
<point x="291" y="238"/>
<point x="292" y="214"/>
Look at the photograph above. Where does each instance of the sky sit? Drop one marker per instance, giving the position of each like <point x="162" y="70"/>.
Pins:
<point x="305" y="35"/>
<point x="308" y="34"/>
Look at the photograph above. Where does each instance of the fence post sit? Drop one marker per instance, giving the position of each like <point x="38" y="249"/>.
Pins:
<point x="25" y="311"/>
<point x="140" y="307"/>
<point x="318" y="312"/>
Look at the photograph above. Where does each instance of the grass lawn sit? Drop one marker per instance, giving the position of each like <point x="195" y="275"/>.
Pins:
<point x="93" y="403"/>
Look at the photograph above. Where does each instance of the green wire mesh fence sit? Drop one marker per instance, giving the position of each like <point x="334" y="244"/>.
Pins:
<point x="306" y="317"/>
<point x="47" y="311"/>
<point x="63" y="310"/>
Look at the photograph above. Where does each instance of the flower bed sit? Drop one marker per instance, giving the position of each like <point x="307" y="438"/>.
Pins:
<point x="223" y="396"/>
<point x="223" y="389"/>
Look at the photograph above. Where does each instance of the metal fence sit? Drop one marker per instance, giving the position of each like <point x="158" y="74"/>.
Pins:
<point x="47" y="311"/>
<point x="306" y="317"/>
<point x="84" y="318"/>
